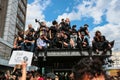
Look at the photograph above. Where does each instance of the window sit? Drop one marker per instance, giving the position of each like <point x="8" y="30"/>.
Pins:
<point x="25" y="1"/>
<point x="21" y="14"/>
<point x="20" y="24"/>
<point x="22" y="5"/>
<point x="0" y="4"/>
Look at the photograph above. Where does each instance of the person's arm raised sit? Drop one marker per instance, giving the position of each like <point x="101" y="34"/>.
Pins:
<point x="24" y="66"/>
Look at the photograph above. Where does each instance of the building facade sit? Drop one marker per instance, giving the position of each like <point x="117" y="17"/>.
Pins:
<point x="114" y="67"/>
<point x="12" y="20"/>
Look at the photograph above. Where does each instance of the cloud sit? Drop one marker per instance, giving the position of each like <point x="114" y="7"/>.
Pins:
<point x="72" y="16"/>
<point x="95" y="9"/>
<point x="113" y="13"/>
<point x="49" y="23"/>
<point x="88" y="8"/>
<point x="35" y="11"/>
<point x="67" y="9"/>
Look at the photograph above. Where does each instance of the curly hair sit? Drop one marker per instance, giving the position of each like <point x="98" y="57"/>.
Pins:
<point x="89" y="66"/>
<point x="96" y="33"/>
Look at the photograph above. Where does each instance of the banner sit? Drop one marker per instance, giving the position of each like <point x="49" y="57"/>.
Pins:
<point x="19" y="56"/>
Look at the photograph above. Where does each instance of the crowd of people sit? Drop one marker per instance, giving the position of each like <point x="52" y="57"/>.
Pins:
<point x="86" y="69"/>
<point x="62" y="36"/>
<point x="58" y="36"/>
<point x="92" y="69"/>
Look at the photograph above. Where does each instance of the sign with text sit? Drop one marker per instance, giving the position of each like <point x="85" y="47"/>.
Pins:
<point x="19" y="56"/>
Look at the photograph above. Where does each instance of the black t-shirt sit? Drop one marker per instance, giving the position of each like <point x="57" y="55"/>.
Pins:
<point x="32" y="30"/>
<point x="82" y="30"/>
<point x="53" y="31"/>
<point x="19" y="41"/>
<point x="62" y="24"/>
<point x="74" y="31"/>
<point x="57" y="42"/>
<point x="66" y="40"/>
<point x="66" y="27"/>
<point x="100" y="39"/>
<point x="29" y="38"/>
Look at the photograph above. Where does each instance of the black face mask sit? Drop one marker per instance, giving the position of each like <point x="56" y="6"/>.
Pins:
<point x="29" y="34"/>
<point x="21" y="35"/>
<point x="29" y="28"/>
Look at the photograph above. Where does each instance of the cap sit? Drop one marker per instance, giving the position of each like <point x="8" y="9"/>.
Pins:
<point x="86" y="25"/>
<point x="74" y="26"/>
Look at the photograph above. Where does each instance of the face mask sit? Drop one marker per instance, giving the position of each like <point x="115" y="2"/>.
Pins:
<point x="21" y="35"/>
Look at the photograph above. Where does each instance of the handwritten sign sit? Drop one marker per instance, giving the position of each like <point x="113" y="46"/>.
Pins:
<point x="19" y="56"/>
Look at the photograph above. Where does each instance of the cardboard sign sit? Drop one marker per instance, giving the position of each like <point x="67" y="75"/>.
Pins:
<point x="19" y="56"/>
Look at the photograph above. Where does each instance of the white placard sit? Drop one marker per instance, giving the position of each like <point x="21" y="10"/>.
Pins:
<point x="19" y="56"/>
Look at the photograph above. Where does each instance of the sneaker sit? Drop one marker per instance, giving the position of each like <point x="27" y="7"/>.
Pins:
<point x="97" y="52"/>
<point x="104" y="52"/>
<point x="112" y="43"/>
<point x="35" y="58"/>
<point x="44" y="58"/>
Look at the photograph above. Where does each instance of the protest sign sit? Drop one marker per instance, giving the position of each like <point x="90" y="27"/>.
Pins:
<point x="19" y="56"/>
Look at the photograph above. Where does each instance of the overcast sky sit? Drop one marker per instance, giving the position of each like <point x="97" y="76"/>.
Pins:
<point x="103" y="15"/>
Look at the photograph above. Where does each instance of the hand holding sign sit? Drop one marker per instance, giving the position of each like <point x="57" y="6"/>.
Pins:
<point x="19" y="56"/>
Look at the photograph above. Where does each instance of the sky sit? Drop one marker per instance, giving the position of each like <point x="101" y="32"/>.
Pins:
<point x="103" y="15"/>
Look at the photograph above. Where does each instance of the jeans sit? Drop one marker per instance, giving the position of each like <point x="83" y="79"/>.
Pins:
<point x="26" y="47"/>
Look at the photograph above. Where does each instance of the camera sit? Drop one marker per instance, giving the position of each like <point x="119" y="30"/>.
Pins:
<point x="37" y="21"/>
